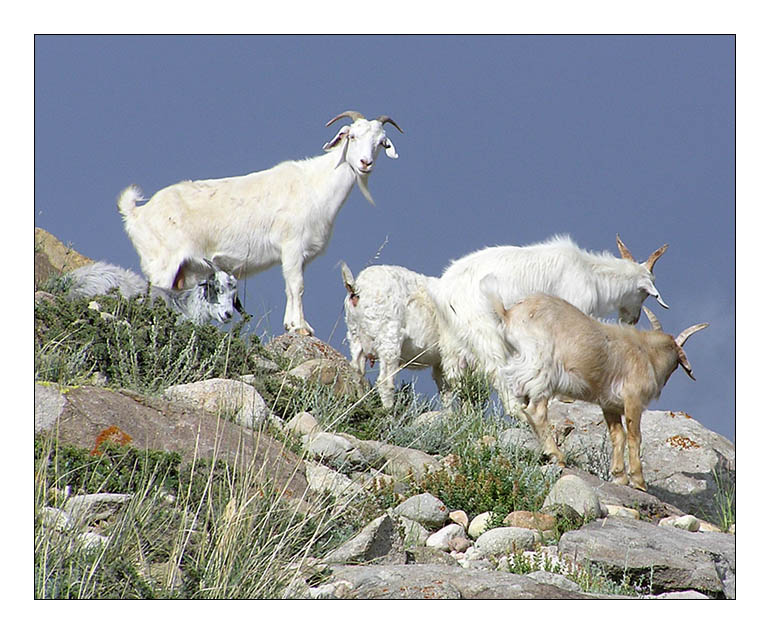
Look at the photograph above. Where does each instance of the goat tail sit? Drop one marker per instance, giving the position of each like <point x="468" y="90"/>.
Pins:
<point x="128" y="198"/>
<point x="348" y="279"/>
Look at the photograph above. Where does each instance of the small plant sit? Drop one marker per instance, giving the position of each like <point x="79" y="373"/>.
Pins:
<point x="725" y="500"/>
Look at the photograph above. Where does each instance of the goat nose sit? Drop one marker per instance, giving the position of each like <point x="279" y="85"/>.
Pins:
<point x="366" y="162"/>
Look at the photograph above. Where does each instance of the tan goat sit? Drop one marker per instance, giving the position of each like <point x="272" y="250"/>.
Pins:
<point x="557" y="350"/>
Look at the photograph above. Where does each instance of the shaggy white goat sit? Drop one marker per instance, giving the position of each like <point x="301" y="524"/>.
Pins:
<point x="215" y="297"/>
<point x="596" y="283"/>
<point x="390" y="317"/>
<point x="554" y="348"/>
<point x="246" y="224"/>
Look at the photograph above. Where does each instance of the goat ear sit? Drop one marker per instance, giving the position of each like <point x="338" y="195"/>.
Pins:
<point x="490" y="288"/>
<point x="390" y="149"/>
<point x="342" y="134"/>
<point x="211" y="265"/>
<point x="648" y="287"/>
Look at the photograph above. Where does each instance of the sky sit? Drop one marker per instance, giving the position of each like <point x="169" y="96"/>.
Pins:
<point x="507" y="140"/>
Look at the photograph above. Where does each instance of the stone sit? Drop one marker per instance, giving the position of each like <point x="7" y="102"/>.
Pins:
<point x="415" y="534"/>
<point x="223" y="397"/>
<point x="424" y="509"/>
<point x="303" y="423"/>
<point x="534" y="521"/>
<point x="459" y="544"/>
<point x="506" y="539"/>
<point x="574" y="492"/>
<point x="321" y="478"/>
<point x="551" y="578"/>
<point x="377" y="540"/>
<point x="478" y="524"/>
<point x="332" y="448"/>
<point x="679" y="560"/>
<point x="441" y="538"/>
<point x="613" y="510"/>
<point x="459" y="517"/>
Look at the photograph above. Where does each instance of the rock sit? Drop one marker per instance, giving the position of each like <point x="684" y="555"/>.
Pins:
<point x="332" y="448"/>
<point x="500" y="541"/>
<point x="377" y="540"/>
<point x="459" y="517"/>
<point x="688" y="523"/>
<point x="415" y="535"/>
<point x="403" y="462"/>
<point x="574" y="492"/>
<point x="519" y="437"/>
<point x="90" y="540"/>
<point x="442" y="537"/>
<point x="429" y="555"/>
<point x="551" y="578"/>
<point x="534" y="521"/>
<point x="52" y="257"/>
<point x="49" y="405"/>
<point x="229" y="398"/>
<point x="431" y="581"/>
<point x="459" y="544"/>
<point x="613" y="510"/>
<point x="424" y="509"/>
<point x="478" y="524"/>
<point x="157" y="423"/>
<point x="679" y="455"/>
<point x="94" y="506"/>
<point x="335" y="370"/>
<point x="320" y="478"/>
<point x="55" y="519"/>
<point x="679" y="560"/>
<point x="303" y="423"/>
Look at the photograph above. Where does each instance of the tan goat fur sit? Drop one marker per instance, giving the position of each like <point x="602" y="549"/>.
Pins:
<point x="557" y="350"/>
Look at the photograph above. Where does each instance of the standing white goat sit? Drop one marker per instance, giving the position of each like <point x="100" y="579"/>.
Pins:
<point x="246" y="224"/>
<point x="390" y="317"/>
<point x="596" y="283"/>
<point x="554" y="348"/>
<point x="215" y="297"/>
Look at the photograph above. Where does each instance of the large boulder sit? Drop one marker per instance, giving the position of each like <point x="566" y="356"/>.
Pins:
<point x="52" y="257"/>
<point x="684" y="463"/>
<point x="659" y="558"/>
<point x="79" y="416"/>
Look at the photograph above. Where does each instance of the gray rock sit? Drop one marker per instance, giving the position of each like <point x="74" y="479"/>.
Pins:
<point x="432" y="581"/>
<point x="321" y="478"/>
<point x="415" y="535"/>
<point x="478" y="524"/>
<point x="49" y="405"/>
<point x="506" y="539"/>
<point x="543" y="576"/>
<point x="377" y="540"/>
<point x="428" y="555"/>
<point x="441" y="538"/>
<point x="224" y="397"/>
<point x="679" y="455"/>
<point x="303" y="423"/>
<point x="94" y="506"/>
<point x="679" y="560"/>
<point x="332" y="448"/>
<point x="519" y="437"/>
<point x="424" y="509"/>
<point x="574" y="492"/>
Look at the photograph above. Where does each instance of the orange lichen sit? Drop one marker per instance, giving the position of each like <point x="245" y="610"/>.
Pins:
<point x="112" y="434"/>
<point x="682" y="442"/>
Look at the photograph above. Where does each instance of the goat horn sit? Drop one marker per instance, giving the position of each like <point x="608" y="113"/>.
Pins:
<point x="624" y="252"/>
<point x="684" y="362"/>
<point x="654" y="257"/>
<point x="353" y="114"/>
<point x="653" y="319"/>
<point x="383" y="119"/>
<point x="685" y="334"/>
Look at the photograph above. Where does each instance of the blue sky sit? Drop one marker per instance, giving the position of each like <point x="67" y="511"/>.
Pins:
<point x="507" y="140"/>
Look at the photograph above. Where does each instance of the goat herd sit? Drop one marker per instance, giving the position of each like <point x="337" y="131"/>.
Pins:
<point x="524" y="316"/>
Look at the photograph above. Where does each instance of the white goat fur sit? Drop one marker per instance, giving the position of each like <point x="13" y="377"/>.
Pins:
<point x="246" y="224"/>
<point x="554" y="348"/>
<point x="596" y="283"/>
<point x="390" y="317"/>
<point x="215" y="297"/>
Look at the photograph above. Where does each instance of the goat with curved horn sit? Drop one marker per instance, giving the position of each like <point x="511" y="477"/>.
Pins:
<point x="353" y="114"/>
<point x="647" y="285"/>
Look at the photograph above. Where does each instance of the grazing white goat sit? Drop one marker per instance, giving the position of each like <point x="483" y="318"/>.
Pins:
<point x="554" y="348"/>
<point x="246" y="224"/>
<point x="596" y="283"/>
<point x="215" y="297"/>
<point x="390" y="317"/>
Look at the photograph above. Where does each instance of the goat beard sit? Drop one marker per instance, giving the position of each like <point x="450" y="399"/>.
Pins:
<point x="363" y="185"/>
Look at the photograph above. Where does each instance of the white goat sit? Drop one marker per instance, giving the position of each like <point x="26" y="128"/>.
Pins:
<point x="215" y="297"/>
<point x="596" y="283"/>
<point x="390" y="317"/>
<point x="554" y="348"/>
<point x="246" y="224"/>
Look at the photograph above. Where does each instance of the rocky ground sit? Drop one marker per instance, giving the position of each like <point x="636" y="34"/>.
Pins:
<point x="659" y="542"/>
